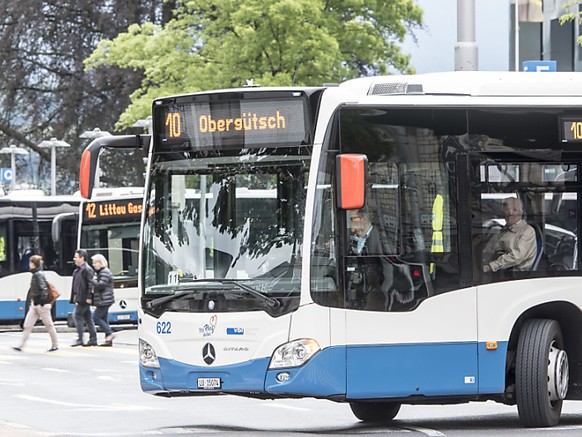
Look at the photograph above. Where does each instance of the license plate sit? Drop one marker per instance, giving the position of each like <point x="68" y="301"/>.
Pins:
<point x="208" y="383"/>
<point x="124" y="317"/>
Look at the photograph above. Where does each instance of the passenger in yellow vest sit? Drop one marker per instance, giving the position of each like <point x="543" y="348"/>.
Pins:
<point x="2" y="248"/>
<point x="515" y="246"/>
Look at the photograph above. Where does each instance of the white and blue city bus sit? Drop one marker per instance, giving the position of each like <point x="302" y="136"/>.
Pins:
<point x="257" y="298"/>
<point x="26" y="229"/>
<point x="109" y="224"/>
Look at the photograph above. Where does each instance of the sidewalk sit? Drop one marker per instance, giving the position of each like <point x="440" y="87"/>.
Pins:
<point x="125" y="335"/>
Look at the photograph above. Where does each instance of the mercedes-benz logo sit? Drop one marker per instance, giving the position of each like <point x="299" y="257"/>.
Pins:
<point x="123" y="304"/>
<point x="211" y="305"/>
<point x="208" y="354"/>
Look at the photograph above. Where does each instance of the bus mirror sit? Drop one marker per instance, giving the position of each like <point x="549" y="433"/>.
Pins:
<point x="87" y="174"/>
<point x="351" y="171"/>
<point x="90" y="157"/>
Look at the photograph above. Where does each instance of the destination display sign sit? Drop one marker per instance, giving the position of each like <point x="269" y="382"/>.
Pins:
<point x="112" y="210"/>
<point x="233" y="123"/>
<point x="571" y="130"/>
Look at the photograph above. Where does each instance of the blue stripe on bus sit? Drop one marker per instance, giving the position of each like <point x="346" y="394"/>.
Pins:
<point x="64" y="307"/>
<point x="11" y="310"/>
<point x="440" y="369"/>
<point x="358" y="372"/>
<point x="492" y="368"/>
<point x="173" y="375"/>
<point x="322" y="376"/>
<point x="432" y="369"/>
<point x="15" y="310"/>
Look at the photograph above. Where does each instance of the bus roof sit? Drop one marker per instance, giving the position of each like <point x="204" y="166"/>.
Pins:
<point x="105" y="194"/>
<point x="472" y="83"/>
<point x="37" y="196"/>
<point x="253" y="89"/>
<point x="117" y="192"/>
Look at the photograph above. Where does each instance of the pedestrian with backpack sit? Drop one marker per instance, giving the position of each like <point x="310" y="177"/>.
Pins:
<point x="39" y="308"/>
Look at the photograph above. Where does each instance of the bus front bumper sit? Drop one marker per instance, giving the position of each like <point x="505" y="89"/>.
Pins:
<point x="322" y="377"/>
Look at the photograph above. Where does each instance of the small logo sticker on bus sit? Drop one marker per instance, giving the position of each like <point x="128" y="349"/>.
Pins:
<point x="208" y="329"/>
<point x="469" y="380"/>
<point x="235" y="331"/>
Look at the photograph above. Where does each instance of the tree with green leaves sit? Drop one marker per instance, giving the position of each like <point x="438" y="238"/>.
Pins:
<point x="215" y="44"/>
<point x="45" y="91"/>
<point x="571" y="12"/>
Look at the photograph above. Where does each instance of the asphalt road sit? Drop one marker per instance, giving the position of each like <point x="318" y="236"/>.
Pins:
<point x="95" y="392"/>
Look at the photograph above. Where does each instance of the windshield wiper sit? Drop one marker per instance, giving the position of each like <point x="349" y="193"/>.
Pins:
<point x="270" y="301"/>
<point x="160" y="300"/>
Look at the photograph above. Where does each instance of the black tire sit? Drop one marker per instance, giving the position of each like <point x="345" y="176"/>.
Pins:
<point x="541" y="373"/>
<point x="375" y="411"/>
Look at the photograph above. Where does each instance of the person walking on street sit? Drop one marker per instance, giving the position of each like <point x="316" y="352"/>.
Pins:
<point x="40" y="308"/>
<point x="103" y="296"/>
<point x="82" y="296"/>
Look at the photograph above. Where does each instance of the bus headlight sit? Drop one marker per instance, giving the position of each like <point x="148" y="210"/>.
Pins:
<point x="147" y="355"/>
<point x="294" y="354"/>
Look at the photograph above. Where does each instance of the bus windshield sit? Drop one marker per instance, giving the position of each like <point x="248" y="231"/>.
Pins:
<point x="118" y="243"/>
<point x="231" y="216"/>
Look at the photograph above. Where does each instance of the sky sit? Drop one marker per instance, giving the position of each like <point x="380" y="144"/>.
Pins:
<point x="435" y="46"/>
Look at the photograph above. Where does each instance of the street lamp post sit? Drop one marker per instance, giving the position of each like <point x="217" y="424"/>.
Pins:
<point x="95" y="133"/>
<point x="53" y="143"/>
<point x="13" y="150"/>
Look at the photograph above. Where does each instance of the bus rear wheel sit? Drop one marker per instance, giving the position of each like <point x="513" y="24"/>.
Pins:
<point x="375" y="411"/>
<point x="542" y="373"/>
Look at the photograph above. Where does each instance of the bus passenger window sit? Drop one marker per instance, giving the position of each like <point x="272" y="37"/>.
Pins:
<point x="373" y="279"/>
<point x="3" y="251"/>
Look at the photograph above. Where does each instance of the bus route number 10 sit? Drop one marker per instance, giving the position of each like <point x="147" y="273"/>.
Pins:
<point x="174" y="125"/>
<point x="576" y="130"/>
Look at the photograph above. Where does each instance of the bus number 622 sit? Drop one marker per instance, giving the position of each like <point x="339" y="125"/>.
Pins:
<point x="164" y="327"/>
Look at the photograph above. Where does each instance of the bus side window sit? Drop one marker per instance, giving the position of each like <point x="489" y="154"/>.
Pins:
<point x="3" y="251"/>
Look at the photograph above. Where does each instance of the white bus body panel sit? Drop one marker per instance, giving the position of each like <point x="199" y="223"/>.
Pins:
<point x="501" y="304"/>
<point x="236" y="337"/>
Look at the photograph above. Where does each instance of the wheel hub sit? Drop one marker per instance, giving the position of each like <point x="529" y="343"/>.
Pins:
<point x="558" y="373"/>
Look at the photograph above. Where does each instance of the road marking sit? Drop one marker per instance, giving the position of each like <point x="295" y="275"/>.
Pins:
<point x="52" y="369"/>
<point x="426" y="431"/>
<point x="108" y="378"/>
<point x="558" y="428"/>
<point x="288" y="407"/>
<point x="13" y="425"/>
<point x="76" y="406"/>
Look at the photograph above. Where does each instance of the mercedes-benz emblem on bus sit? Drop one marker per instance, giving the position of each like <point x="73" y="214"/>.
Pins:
<point x="123" y="304"/>
<point x="208" y="354"/>
<point x="211" y="305"/>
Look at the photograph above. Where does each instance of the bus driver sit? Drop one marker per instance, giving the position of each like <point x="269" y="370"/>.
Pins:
<point x="515" y="246"/>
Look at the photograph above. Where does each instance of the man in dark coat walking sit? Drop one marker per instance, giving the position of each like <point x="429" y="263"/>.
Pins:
<point x="82" y="296"/>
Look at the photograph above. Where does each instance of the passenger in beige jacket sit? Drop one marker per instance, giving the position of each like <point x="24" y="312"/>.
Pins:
<point x="515" y="246"/>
